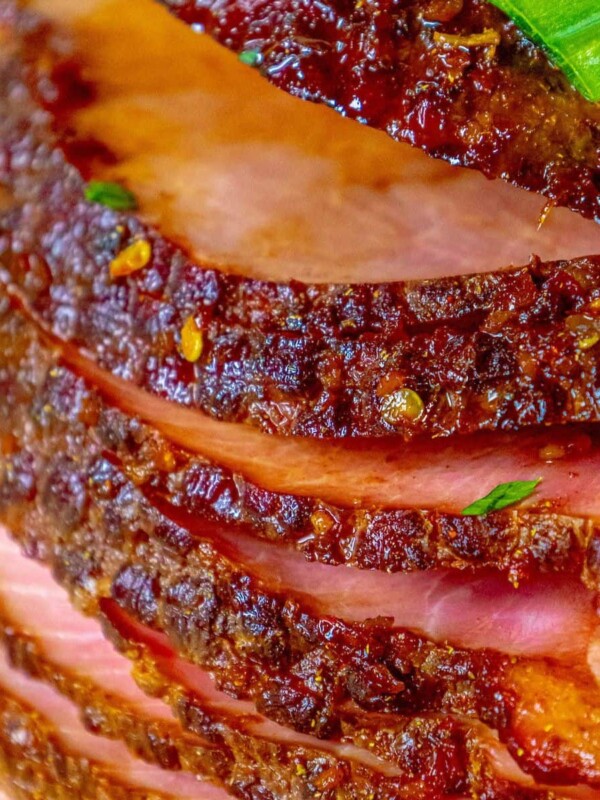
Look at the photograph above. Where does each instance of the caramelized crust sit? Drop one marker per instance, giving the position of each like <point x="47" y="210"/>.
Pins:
<point x="34" y="764"/>
<point x="505" y="350"/>
<point x="99" y="497"/>
<point x="457" y="756"/>
<point x="155" y="740"/>
<point x="71" y="506"/>
<point x="209" y="742"/>
<point x="190" y="489"/>
<point x="453" y="77"/>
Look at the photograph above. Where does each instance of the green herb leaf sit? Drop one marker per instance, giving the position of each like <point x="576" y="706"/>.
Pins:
<point x="112" y="195"/>
<point x="251" y="58"/>
<point x="569" y="31"/>
<point x="505" y="494"/>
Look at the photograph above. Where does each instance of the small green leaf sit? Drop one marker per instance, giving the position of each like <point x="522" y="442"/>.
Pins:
<point x="569" y="31"/>
<point x="112" y="195"/>
<point x="251" y="58"/>
<point x="505" y="494"/>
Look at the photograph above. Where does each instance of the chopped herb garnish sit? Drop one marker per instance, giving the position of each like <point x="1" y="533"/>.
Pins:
<point x="251" y="58"/>
<point x="112" y="195"/>
<point x="569" y="31"/>
<point x="505" y="494"/>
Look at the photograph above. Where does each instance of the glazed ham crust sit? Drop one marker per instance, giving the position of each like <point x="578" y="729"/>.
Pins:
<point x="360" y="207"/>
<point x="46" y="751"/>
<point x="500" y="351"/>
<point x="456" y="79"/>
<point x="223" y="738"/>
<point x="289" y="695"/>
<point x="453" y="754"/>
<point x="216" y="599"/>
<point x="189" y="488"/>
<point x="290" y="677"/>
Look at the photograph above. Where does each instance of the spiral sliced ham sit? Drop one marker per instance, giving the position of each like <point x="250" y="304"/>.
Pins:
<point x="505" y="350"/>
<point x="30" y="639"/>
<point x="459" y="657"/>
<point x="522" y="676"/>
<point x="556" y="532"/>
<point x="456" y="79"/>
<point x="388" y="644"/>
<point x="69" y="651"/>
<point x="38" y="742"/>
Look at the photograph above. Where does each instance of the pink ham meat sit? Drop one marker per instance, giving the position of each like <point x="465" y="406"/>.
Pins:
<point x="112" y="757"/>
<point x="218" y="144"/>
<point x="498" y="351"/>
<point x="44" y="635"/>
<point x="265" y="638"/>
<point x="17" y="583"/>
<point x="72" y="647"/>
<point x="480" y="610"/>
<point x="327" y="521"/>
<point x="425" y="686"/>
<point x="459" y="80"/>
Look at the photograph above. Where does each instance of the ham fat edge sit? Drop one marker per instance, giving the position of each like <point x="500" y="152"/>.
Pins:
<point x="176" y="615"/>
<point x="322" y="661"/>
<point x="458" y="80"/>
<point x="431" y="356"/>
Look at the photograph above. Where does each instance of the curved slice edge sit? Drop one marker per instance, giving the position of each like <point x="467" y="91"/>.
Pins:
<point x="428" y="76"/>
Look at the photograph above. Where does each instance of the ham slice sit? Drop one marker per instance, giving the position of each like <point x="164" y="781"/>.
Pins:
<point x="92" y="758"/>
<point x="56" y="642"/>
<point x="382" y="472"/>
<point x="367" y="662"/>
<point x="44" y="636"/>
<point x="428" y="75"/>
<point x="49" y="639"/>
<point x="507" y="350"/>
<point x="495" y="771"/>
<point x="405" y="536"/>
<point x="208" y="148"/>
<point x="65" y="499"/>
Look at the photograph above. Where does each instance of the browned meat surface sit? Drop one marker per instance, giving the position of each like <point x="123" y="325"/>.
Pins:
<point x="502" y="351"/>
<point x="442" y="755"/>
<point x="208" y="148"/>
<point x="214" y="594"/>
<point x="190" y="489"/>
<point x="460" y="657"/>
<point x="46" y="752"/>
<point x="404" y="538"/>
<point x="232" y="742"/>
<point x="456" y="79"/>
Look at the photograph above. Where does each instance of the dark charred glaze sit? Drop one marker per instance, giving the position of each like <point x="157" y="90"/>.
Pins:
<point x="432" y="744"/>
<point x="438" y="743"/>
<point x="496" y="351"/>
<point x="190" y="489"/>
<point x="391" y="540"/>
<point x="74" y="508"/>
<point x="35" y="764"/>
<point x="504" y="109"/>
